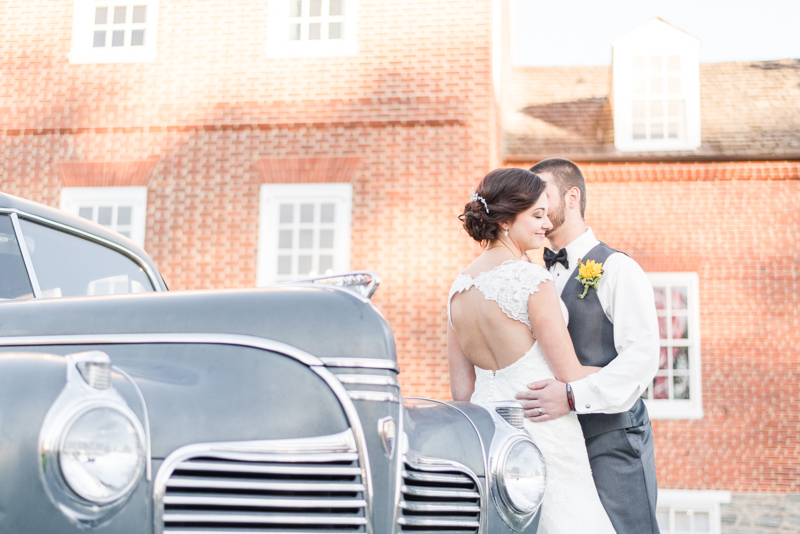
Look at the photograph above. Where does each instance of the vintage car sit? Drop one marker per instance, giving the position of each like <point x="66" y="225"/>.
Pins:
<point x="128" y="408"/>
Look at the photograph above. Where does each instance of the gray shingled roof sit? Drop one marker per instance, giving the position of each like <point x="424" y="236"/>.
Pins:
<point x="748" y="110"/>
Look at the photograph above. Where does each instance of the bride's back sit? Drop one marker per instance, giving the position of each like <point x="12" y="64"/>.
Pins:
<point x="482" y="306"/>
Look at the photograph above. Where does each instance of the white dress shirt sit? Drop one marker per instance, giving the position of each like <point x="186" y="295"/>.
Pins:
<point x="626" y="296"/>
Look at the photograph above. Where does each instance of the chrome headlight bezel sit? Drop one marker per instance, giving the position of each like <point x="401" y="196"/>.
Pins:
<point x="501" y="478"/>
<point x="80" y="396"/>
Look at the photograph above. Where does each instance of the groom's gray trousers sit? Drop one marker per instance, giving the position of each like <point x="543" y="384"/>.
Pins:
<point x="620" y="445"/>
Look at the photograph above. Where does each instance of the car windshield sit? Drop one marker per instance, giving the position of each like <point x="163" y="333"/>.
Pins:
<point x="14" y="281"/>
<point x="67" y="265"/>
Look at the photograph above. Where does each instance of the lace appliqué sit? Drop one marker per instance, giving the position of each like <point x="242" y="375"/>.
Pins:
<point x="510" y="284"/>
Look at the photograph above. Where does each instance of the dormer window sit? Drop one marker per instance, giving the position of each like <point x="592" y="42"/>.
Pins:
<point x="312" y="28"/>
<point x="656" y="90"/>
<point x="114" y="31"/>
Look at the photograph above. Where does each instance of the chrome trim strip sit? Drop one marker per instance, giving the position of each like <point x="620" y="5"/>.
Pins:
<point x="260" y="502"/>
<point x="444" y="493"/>
<point x="375" y="396"/>
<point x="145" y="423"/>
<point x="369" y="380"/>
<point x="154" y="280"/>
<point x="26" y="257"/>
<point x="218" y="483"/>
<point x="207" y="339"/>
<point x="266" y="520"/>
<point x="431" y="507"/>
<point x="364" y="363"/>
<point x="227" y="467"/>
<point x="420" y="522"/>
<point x="485" y="489"/>
<point x="427" y="477"/>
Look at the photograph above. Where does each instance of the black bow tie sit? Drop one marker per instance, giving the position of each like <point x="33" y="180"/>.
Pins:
<point x="551" y="258"/>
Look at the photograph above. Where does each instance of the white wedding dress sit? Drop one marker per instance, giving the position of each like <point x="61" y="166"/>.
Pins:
<point x="571" y="504"/>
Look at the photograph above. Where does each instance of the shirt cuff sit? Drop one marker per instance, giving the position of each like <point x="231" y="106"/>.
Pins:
<point x="586" y="400"/>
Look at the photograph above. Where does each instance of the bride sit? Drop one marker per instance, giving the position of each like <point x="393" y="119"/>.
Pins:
<point x="507" y="328"/>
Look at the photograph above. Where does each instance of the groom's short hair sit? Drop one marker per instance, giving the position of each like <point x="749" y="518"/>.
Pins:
<point x="567" y="175"/>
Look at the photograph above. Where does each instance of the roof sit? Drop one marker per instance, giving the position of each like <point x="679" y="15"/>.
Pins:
<point x="749" y="110"/>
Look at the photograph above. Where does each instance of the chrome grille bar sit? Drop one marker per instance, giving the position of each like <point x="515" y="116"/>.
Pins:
<point x="211" y="483"/>
<point x="272" y="469"/>
<point x="253" y="518"/>
<point x="260" y="502"/>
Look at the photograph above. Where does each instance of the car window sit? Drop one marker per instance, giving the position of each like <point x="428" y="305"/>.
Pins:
<point x="68" y="266"/>
<point x="14" y="281"/>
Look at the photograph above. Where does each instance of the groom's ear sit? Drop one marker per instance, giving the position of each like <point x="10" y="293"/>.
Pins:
<point x="573" y="198"/>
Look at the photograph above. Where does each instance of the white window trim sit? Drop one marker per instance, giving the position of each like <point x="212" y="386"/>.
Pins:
<point x="279" y="45"/>
<point x="270" y="198"/>
<point x="692" y="408"/>
<point x="655" y="38"/>
<point x="82" y="50"/>
<point x="136" y="196"/>
<point x="699" y="500"/>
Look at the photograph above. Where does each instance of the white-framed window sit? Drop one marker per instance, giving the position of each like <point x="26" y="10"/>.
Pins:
<point x="690" y="511"/>
<point x="308" y="28"/>
<point x="656" y="89"/>
<point x="303" y="231"/>
<point x="114" y="31"/>
<point x="121" y="209"/>
<point x="677" y="390"/>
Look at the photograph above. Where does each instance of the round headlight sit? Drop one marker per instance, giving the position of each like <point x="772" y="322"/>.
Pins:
<point x="102" y="455"/>
<point x="524" y="476"/>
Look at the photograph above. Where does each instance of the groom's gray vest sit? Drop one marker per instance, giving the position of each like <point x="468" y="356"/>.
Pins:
<point x="593" y="337"/>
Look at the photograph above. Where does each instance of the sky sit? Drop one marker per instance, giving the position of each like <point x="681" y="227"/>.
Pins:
<point x="580" y="32"/>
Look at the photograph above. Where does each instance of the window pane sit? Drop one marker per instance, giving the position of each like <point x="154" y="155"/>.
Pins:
<point x="680" y="387"/>
<point x="662" y="327"/>
<point x="139" y="14"/>
<point x="660" y="294"/>
<point x="285" y="239"/>
<point x="304" y="265"/>
<point x="314" y="31"/>
<point x="674" y="130"/>
<point x="326" y="264"/>
<point x="674" y="63"/>
<point x="296" y="8"/>
<point x="284" y="265"/>
<point x="101" y="15"/>
<point x="679" y="297"/>
<point x="639" y="85"/>
<point x="294" y="32"/>
<point x="14" y="281"/>
<point x="657" y="130"/>
<point x="124" y="215"/>
<point x="662" y="517"/>
<point x="327" y="212"/>
<point x="306" y="213"/>
<point x="680" y="357"/>
<point x="86" y="212"/>
<point x="660" y="388"/>
<point x="663" y="358"/>
<point x="639" y="109"/>
<point x="99" y="40"/>
<point x="126" y="233"/>
<point x="335" y="30"/>
<point x="702" y="522"/>
<point x="287" y="213"/>
<point x="638" y="63"/>
<point x="104" y="215"/>
<point x="315" y="8"/>
<point x="675" y="108"/>
<point x="646" y="394"/>
<point x="680" y="328"/>
<point x="118" y="38"/>
<point x="682" y="520"/>
<point x="137" y="38"/>
<point x="657" y="85"/>
<point x="639" y="131"/>
<point x="67" y="265"/>
<point x="119" y="14"/>
<point x="657" y="108"/>
<point x="306" y="238"/>
<point x="326" y="239"/>
<point x="674" y="85"/>
<point x="656" y="64"/>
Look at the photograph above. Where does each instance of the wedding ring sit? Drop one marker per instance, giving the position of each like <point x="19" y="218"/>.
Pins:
<point x="540" y="411"/>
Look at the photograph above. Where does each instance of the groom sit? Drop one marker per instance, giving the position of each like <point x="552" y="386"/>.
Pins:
<point x="614" y="327"/>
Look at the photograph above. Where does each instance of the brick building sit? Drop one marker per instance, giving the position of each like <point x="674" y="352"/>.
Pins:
<point x="249" y="142"/>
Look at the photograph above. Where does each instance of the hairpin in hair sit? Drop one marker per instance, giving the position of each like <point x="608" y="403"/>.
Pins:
<point x="475" y="196"/>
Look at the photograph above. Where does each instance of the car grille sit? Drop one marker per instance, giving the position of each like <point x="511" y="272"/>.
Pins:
<point x="439" y="497"/>
<point x="260" y="493"/>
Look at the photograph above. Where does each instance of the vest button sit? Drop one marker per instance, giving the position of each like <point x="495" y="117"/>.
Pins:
<point x="588" y="406"/>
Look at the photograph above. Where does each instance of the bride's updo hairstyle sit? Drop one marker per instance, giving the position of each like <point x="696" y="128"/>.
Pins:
<point x="506" y="193"/>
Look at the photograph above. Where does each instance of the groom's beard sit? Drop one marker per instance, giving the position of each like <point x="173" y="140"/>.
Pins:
<point x="556" y="218"/>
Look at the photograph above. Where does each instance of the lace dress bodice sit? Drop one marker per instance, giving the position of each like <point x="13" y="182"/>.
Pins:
<point x="510" y="284"/>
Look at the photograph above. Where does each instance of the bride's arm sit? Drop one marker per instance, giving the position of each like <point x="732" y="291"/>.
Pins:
<point x="544" y="310"/>
<point x="462" y="373"/>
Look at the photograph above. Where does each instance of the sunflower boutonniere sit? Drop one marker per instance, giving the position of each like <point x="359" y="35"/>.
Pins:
<point x="589" y="275"/>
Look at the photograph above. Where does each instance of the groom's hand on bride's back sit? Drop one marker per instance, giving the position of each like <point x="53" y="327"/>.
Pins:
<point x="549" y="396"/>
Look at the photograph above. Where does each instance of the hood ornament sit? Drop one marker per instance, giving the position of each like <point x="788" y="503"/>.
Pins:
<point x="388" y="432"/>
